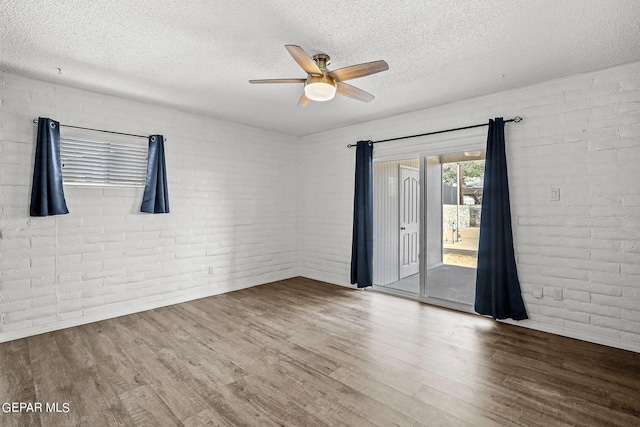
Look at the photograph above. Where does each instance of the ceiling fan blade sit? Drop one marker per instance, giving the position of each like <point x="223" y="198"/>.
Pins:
<point x="304" y="101"/>
<point x="353" y="92"/>
<point x="303" y="59"/>
<point x="360" y="70"/>
<point x="277" y="81"/>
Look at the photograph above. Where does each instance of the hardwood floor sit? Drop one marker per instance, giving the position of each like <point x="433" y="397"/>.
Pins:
<point x="303" y="353"/>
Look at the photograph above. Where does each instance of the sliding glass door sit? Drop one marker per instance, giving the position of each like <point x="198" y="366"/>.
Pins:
<point x="426" y="227"/>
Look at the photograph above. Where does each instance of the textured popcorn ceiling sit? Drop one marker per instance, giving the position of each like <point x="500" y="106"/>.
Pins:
<point x="198" y="55"/>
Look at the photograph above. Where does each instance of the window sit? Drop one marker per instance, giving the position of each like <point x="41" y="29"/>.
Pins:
<point x="103" y="163"/>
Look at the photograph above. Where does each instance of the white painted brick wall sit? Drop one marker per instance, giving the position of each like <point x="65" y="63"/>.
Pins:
<point x="250" y="206"/>
<point x="580" y="134"/>
<point x="233" y="209"/>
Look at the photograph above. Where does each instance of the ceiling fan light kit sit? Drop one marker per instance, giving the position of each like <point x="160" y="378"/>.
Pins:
<point x="320" y="88"/>
<point x="322" y="84"/>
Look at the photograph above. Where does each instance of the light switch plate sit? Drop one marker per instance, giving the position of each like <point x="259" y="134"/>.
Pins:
<point x="555" y="194"/>
<point x="557" y="294"/>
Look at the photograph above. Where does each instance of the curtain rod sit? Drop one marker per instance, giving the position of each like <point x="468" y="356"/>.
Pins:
<point x="105" y="131"/>
<point x="516" y="119"/>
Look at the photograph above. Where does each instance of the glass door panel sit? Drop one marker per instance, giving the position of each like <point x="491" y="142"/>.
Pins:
<point x="454" y="196"/>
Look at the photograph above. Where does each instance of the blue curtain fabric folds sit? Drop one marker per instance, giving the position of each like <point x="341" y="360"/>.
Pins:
<point x="47" y="194"/>
<point x="362" y="243"/>
<point x="498" y="291"/>
<point x="156" y="193"/>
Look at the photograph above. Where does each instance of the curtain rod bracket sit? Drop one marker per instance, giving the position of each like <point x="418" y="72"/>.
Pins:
<point x="516" y="119"/>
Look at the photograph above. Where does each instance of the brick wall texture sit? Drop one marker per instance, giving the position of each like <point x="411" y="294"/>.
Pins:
<point x="250" y="206"/>
<point x="233" y="220"/>
<point x="580" y="134"/>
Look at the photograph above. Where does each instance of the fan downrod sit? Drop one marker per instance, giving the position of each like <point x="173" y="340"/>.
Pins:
<point x="322" y="59"/>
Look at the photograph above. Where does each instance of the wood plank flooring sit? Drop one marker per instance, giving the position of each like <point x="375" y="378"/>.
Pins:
<point x="304" y="353"/>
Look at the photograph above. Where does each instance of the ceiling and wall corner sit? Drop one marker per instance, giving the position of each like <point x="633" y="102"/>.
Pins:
<point x="199" y="56"/>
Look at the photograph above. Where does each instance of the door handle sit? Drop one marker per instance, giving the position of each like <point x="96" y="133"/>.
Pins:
<point x="402" y="228"/>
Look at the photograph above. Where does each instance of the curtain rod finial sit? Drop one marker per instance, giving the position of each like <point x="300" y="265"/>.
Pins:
<point x="517" y="119"/>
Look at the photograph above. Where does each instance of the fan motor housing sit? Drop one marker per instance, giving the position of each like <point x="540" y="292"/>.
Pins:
<point x="320" y="79"/>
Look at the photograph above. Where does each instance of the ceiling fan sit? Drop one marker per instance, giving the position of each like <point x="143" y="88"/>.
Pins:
<point x="322" y="84"/>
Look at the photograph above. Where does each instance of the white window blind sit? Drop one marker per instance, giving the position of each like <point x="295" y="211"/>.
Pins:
<point x="103" y="163"/>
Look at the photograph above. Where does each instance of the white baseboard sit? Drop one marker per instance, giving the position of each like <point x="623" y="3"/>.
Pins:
<point x="96" y="317"/>
<point x="579" y="335"/>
